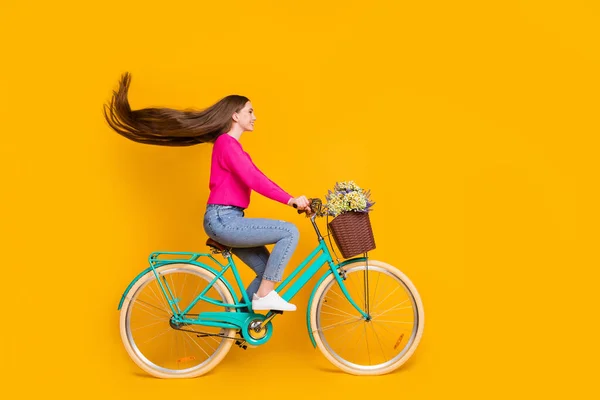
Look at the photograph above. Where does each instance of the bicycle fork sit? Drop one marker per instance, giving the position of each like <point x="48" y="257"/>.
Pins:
<point x="366" y="279"/>
<point x="340" y="277"/>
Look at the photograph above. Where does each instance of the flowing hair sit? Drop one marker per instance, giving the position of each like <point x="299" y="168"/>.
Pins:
<point x="166" y="126"/>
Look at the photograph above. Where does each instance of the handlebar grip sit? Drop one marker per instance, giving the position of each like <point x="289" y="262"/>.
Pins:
<point x="304" y="211"/>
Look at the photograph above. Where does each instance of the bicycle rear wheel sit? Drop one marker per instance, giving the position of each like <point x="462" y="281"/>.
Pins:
<point x="157" y="345"/>
<point x="374" y="346"/>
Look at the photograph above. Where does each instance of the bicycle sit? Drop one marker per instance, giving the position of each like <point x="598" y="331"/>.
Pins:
<point x="173" y="331"/>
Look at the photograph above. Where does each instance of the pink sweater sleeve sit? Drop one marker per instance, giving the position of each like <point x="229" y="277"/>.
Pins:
<point x="240" y="163"/>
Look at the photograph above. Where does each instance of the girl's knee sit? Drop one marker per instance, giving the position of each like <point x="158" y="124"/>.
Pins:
<point x="293" y="230"/>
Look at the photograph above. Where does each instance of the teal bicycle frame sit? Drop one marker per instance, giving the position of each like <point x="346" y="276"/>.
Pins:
<point x="320" y="256"/>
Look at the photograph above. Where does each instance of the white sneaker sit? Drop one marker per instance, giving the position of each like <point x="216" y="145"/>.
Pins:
<point x="272" y="301"/>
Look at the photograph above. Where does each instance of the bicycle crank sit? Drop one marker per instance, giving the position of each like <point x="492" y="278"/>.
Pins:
<point x="259" y="328"/>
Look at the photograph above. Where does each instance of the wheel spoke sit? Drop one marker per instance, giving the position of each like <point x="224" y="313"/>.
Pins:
<point x="375" y="290"/>
<point x="346" y="342"/>
<point x="345" y="322"/>
<point x="174" y="290"/>
<point x="161" y="298"/>
<point x="329" y="313"/>
<point x="167" y="330"/>
<point x="197" y="344"/>
<point x="396" y="307"/>
<point x="386" y="297"/>
<point x="337" y="309"/>
<point x="395" y="322"/>
<point x="147" y="308"/>
<point x="367" y="342"/>
<point x="137" y="328"/>
<point x="379" y="341"/>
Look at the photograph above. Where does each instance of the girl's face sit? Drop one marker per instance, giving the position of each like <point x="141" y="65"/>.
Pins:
<point x="245" y="117"/>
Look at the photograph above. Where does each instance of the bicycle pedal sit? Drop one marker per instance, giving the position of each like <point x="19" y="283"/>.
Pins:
<point x="241" y="344"/>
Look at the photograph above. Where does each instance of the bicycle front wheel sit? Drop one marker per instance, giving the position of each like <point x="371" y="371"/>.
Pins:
<point x="159" y="346"/>
<point x="368" y="346"/>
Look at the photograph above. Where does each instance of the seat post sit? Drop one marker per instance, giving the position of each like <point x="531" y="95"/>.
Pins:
<point x="219" y="248"/>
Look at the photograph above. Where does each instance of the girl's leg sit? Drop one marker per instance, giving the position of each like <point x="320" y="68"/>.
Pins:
<point x="229" y="227"/>
<point x="256" y="258"/>
<point x="255" y="232"/>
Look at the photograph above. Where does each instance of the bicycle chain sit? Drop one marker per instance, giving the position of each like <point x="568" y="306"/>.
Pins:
<point x="204" y="334"/>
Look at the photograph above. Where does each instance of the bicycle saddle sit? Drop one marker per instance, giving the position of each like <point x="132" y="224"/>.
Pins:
<point x="216" y="245"/>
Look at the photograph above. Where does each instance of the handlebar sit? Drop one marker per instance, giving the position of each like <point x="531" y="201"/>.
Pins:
<point x="315" y="207"/>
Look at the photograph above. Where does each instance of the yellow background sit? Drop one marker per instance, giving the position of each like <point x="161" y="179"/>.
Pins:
<point x="474" y="123"/>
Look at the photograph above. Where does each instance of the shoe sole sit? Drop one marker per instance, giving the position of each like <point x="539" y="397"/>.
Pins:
<point x="271" y="309"/>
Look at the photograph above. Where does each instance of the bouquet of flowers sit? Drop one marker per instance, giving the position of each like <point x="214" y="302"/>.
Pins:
<point x="347" y="196"/>
<point x="350" y="205"/>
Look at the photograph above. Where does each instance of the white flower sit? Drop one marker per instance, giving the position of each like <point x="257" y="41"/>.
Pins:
<point x="347" y="196"/>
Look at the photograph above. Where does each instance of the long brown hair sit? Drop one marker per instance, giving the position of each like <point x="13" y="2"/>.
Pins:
<point x="166" y="126"/>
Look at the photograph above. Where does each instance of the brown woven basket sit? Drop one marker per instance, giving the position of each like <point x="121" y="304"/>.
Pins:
<point x="352" y="233"/>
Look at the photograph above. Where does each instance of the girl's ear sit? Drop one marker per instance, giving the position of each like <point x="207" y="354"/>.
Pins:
<point x="235" y="117"/>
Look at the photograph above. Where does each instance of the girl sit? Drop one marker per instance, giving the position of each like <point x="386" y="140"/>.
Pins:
<point x="233" y="177"/>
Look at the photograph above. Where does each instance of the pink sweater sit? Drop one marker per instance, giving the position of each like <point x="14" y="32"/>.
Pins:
<point x="233" y="176"/>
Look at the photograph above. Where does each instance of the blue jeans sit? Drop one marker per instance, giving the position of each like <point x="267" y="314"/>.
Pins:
<point x="248" y="236"/>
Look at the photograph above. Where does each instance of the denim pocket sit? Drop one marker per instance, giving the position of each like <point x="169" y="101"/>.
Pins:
<point x="209" y="221"/>
<point x="224" y="215"/>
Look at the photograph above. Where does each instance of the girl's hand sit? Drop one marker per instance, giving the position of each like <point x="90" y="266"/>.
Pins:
<point x="302" y="203"/>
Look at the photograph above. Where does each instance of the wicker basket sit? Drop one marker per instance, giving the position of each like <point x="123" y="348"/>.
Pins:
<point x="352" y="233"/>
